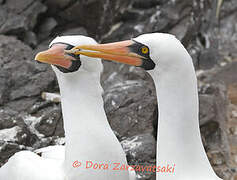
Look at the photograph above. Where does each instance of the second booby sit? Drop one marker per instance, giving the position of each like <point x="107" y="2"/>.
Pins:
<point x="89" y="138"/>
<point x="171" y="67"/>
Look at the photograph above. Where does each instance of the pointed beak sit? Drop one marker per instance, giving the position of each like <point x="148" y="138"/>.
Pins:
<point x="118" y="51"/>
<point x="56" y="56"/>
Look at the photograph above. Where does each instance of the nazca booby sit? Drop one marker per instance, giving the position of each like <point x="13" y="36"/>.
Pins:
<point x="88" y="135"/>
<point x="171" y="67"/>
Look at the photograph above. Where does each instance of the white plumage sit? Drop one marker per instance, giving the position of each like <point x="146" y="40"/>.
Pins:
<point x="87" y="131"/>
<point x="171" y="67"/>
<point x="179" y="139"/>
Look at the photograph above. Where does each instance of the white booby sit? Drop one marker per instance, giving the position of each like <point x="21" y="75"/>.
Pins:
<point x="90" y="142"/>
<point x="171" y="67"/>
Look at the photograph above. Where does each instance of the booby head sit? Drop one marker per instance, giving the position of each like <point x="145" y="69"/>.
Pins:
<point x="64" y="63"/>
<point x="147" y="51"/>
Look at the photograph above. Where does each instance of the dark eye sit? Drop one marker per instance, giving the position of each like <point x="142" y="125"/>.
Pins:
<point x="144" y="50"/>
<point x="140" y="49"/>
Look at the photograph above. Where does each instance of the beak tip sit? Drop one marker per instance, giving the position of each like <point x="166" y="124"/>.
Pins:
<point x="40" y="57"/>
<point x="37" y="56"/>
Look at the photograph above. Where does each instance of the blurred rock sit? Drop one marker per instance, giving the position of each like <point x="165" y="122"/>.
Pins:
<point x="127" y="113"/>
<point x="30" y="39"/>
<point x="93" y="14"/>
<point x="208" y="58"/>
<point x="129" y="93"/>
<point x="140" y="148"/>
<point x="7" y="150"/>
<point x="18" y="6"/>
<point x="20" y="76"/>
<point x="140" y="4"/>
<point x="7" y="119"/>
<point x="214" y="121"/>
<point x="217" y="158"/>
<point x="56" y="5"/>
<point x="207" y="109"/>
<point x="46" y="28"/>
<point x="228" y="30"/>
<point x="21" y="16"/>
<point x="232" y="93"/>
<point x="225" y="75"/>
<point x="14" y="139"/>
<point x="76" y="31"/>
<point x="48" y="122"/>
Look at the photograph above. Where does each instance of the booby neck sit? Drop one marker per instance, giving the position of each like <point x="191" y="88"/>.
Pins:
<point x="82" y="102"/>
<point x="87" y="131"/>
<point x="179" y="140"/>
<point x="170" y="65"/>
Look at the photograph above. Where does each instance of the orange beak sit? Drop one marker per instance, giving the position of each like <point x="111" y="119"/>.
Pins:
<point x="118" y="51"/>
<point x="56" y="56"/>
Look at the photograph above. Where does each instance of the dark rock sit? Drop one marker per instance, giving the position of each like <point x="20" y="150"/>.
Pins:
<point x="22" y="104"/>
<point x="217" y="158"/>
<point x="25" y="137"/>
<point x="15" y="59"/>
<point x="59" y="130"/>
<point x="228" y="8"/>
<point x="213" y="118"/>
<point x="225" y="107"/>
<point x="212" y="133"/>
<point x="129" y="97"/>
<point x="83" y="13"/>
<point x="56" y="5"/>
<point x="30" y="39"/>
<point x="156" y="19"/>
<point x="232" y="93"/>
<point x="75" y="31"/>
<point x="15" y="139"/>
<point x="7" y="119"/>
<point x="122" y="31"/>
<point x="21" y="16"/>
<point x="38" y="106"/>
<point x="14" y="25"/>
<point x="140" y="4"/>
<point x="206" y="108"/>
<point x="130" y="15"/>
<point x="46" y="28"/>
<point x="48" y="122"/>
<point x="42" y="46"/>
<point x="208" y="58"/>
<point x="140" y="148"/>
<point x="7" y="150"/>
<point x="225" y="75"/>
<point x="126" y="110"/>
<point x="228" y="31"/>
<point x="181" y="31"/>
<point x="114" y="73"/>
<point x="18" y="6"/>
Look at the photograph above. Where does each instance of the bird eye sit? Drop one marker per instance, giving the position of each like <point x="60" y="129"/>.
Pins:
<point x="144" y="50"/>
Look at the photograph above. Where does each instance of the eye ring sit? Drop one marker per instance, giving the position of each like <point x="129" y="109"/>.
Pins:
<point x="144" y="50"/>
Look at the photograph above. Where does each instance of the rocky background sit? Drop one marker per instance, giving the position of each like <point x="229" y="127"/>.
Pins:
<point x="208" y="29"/>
